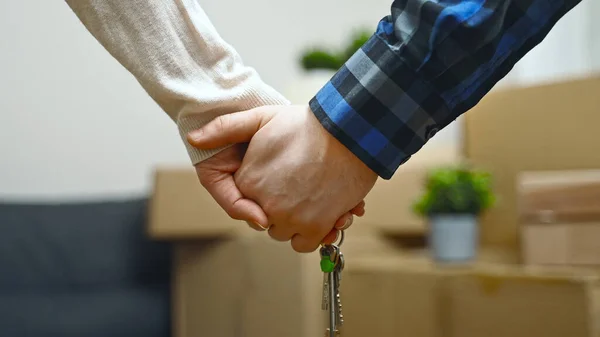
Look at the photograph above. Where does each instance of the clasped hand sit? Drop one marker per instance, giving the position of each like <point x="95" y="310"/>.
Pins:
<point x="284" y="172"/>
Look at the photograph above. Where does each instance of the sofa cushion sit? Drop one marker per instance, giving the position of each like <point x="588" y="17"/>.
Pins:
<point x="120" y="312"/>
<point x="81" y="269"/>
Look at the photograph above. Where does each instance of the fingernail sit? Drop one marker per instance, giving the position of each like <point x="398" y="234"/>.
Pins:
<point x="347" y="223"/>
<point x="328" y="242"/>
<point x="195" y="135"/>
<point x="263" y="228"/>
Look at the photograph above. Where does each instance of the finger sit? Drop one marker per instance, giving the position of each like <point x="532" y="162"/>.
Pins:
<point x="221" y="186"/>
<point x="238" y="127"/>
<point x="359" y="210"/>
<point x="303" y="244"/>
<point x="344" y="221"/>
<point x="280" y="233"/>
<point x="331" y="237"/>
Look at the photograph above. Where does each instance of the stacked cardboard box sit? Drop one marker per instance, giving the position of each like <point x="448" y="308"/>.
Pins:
<point x="550" y="127"/>
<point x="516" y="134"/>
<point x="559" y="217"/>
<point x="406" y="296"/>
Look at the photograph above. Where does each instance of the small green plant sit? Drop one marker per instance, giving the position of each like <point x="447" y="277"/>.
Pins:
<point x="320" y="58"/>
<point x="456" y="190"/>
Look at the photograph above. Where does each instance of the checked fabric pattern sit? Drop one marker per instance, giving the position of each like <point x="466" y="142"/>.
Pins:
<point x="427" y="63"/>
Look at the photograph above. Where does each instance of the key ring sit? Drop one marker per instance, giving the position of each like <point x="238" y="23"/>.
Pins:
<point x="340" y="235"/>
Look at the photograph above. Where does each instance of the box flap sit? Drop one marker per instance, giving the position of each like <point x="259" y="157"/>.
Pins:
<point x="559" y="197"/>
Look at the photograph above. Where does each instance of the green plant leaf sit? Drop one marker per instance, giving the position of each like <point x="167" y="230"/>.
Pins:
<point x="320" y="59"/>
<point x="452" y="190"/>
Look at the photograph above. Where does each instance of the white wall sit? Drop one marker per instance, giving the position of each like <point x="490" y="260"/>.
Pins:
<point x="75" y="124"/>
<point x="567" y="51"/>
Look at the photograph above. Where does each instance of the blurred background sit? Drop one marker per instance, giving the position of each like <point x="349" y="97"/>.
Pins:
<point x="68" y="106"/>
<point x="96" y="240"/>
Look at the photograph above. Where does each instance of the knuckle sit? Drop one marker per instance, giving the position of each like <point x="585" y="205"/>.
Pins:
<point x="304" y="246"/>
<point x="273" y="209"/>
<point x="222" y="122"/>
<point x="276" y="234"/>
<point x="246" y="184"/>
<point x="311" y="228"/>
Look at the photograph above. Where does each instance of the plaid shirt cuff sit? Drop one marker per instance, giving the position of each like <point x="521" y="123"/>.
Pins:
<point x="380" y="108"/>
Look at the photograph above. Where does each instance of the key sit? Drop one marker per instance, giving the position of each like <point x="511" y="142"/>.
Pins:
<point x="338" y="278"/>
<point x="325" y="297"/>
<point x="328" y="257"/>
<point x="329" y="260"/>
<point x="332" y="264"/>
<point x="333" y="308"/>
<point x="336" y="333"/>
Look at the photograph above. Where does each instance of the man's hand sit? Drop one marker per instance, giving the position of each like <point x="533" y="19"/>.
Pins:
<point x="216" y="175"/>
<point x="300" y="175"/>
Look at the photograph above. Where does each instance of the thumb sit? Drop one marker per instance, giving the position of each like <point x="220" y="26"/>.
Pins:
<point x="233" y="128"/>
<point x="221" y="186"/>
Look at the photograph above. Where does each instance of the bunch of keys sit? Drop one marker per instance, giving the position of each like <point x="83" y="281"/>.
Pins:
<point x="332" y="264"/>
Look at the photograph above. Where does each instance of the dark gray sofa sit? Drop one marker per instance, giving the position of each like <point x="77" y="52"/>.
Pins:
<point x="82" y="270"/>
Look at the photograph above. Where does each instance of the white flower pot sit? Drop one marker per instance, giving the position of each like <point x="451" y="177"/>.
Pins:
<point x="453" y="237"/>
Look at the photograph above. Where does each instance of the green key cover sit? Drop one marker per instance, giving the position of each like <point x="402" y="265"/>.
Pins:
<point x="327" y="265"/>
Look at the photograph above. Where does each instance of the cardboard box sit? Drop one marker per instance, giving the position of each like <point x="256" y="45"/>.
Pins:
<point x="389" y="204"/>
<point x="180" y="208"/>
<point x="543" y="128"/>
<point x="405" y="296"/>
<point x="559" y="215"/>
<point x="252" y="286"/>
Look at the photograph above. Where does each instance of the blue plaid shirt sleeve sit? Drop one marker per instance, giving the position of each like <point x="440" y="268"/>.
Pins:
<point x="427" y="63"/>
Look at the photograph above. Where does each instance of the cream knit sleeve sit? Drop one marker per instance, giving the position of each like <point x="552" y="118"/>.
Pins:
<point x="176" y="54"/>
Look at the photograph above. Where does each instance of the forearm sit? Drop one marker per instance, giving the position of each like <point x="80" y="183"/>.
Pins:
<point x="175" y="53"/>
<point x="427" y="63"/>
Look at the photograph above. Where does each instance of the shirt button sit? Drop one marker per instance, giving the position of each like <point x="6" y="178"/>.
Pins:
<point x="431" y="131"/>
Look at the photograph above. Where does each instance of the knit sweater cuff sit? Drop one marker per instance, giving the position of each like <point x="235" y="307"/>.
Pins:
<point x="255" y="96"/>
<point x="190" y="123"/>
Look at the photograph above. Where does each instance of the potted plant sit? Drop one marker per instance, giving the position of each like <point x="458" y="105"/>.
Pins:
<point x="323" y="59"/>
<point x="320" y="64"/>
<point x="453" y="200"/>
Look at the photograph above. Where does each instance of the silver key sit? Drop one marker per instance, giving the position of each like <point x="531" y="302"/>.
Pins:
<point x="331" y="281"/>
<point x="333" y="308"/>
<point x="325" y="296"/>
<point x="338" y="278"/>
<point x="330" y="253"/>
